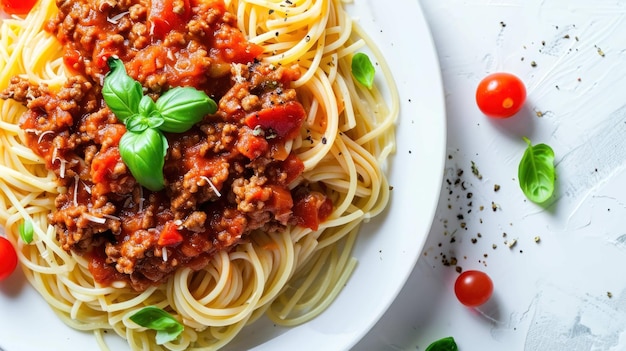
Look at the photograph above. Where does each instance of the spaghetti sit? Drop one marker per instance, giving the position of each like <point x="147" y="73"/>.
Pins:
<point x="291" y="274"/>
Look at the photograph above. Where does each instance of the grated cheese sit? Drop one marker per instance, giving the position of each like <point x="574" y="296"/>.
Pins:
<point x="115" y="218"/>
<point x="217" y="192"/>
<point x="116" y="19"/>
<point x="95" y="219"/>
<point x="44" y="134"/>
<point x="76" y="179"/>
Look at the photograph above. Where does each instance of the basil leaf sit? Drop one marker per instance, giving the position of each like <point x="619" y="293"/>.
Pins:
<point x="136" y="124"/>
<point x="144" y="154"/>
<point x="363" y="70"/>
<point x="167" y="327"/>
<point x="120" y="92"/>
<point x="536" y="172"/>
<point x="165" y="144"/>
<point x="26" y="231"/>
<point x="139" y="123"/>
<point x="182" y="107"/>
<point x="445" y="344"/>
<point x="146" y="106"/>
<point x="154" y="121"/>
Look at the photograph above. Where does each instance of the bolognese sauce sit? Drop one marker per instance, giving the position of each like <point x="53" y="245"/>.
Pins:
<point x="229" y="175"/>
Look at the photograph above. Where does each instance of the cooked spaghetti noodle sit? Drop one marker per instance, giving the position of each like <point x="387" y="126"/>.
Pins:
<point x="290" y="275"/>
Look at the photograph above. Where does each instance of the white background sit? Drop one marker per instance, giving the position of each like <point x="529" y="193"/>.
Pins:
<point x="568" y="291"/>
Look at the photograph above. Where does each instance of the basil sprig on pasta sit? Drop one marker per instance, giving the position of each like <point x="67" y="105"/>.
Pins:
<point x="26" y="231"/>
<point x="167" y="327"/>
<point x="363" y="69"/>
<point x="143" y="147"/>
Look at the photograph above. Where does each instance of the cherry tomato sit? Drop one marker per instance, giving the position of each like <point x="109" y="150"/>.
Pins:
<point x="473" y="288"/>
<point x="500" y="95"/>
<point x="8" y="258"/>
<point x="17" y="7"/>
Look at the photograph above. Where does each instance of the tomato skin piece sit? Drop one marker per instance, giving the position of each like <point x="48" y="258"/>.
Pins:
<point x="473" y="288"/>
<point x="163" y="17"/>
<point x="280" y="203"/>
<point x="500" y="95"/>
<point x="73" y="60"/>
<point x="103" y="164"/>
<point x="170" y="235"/>
<point x="292" y="166"/>
<point x="234" y="47"/>
<point x="311" y="209"/>
<point x="8" y="258"/>
<point x="285" y="120"/>
<point x="17" y="7"/>
<point x="250" y="145"/>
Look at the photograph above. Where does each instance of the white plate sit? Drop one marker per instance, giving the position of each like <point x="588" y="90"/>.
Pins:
<point x="387" y="248"/>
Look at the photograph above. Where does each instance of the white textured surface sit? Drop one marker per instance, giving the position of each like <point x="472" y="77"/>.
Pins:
<point x="567" y="292"/>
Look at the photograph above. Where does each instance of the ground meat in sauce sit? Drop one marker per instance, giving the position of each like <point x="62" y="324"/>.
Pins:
<point x="224" y="179"/>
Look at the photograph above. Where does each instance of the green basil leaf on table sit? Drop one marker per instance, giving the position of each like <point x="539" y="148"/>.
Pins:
<point x="182" y="107"/>
<point x="363" y="69"/>
<point x="120" y="92"/>
<point x="143" y="153"/>
<point x="536" y="172"/>
<point x="167" y="327"/>
<point x="444" y="344"/>
<point x="26" y="231"/>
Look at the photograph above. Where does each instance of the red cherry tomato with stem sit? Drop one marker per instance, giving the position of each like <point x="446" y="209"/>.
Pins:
<point x="8" y="258"/>
<point x="473" y="288"/>
<point x="500" y="95"/>
<point x="17" y="7"/>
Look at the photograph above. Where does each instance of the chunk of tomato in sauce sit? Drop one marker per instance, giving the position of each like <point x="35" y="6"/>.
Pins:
<point x="167" y="15"/>
<point x="292" y="167"/>
<point x="284" y="120"/>
<point x="311" y="209"/>
<point x="103" y="51"/>
<point x="17" y="7"/>
<point x="170" y="235"/>
<point x="103" y="273"/>
<point x="73" y="60"/>
<point x="280" y="203"/>
<point x="103" y="163"/>
<point x="250" y="145"/>
<point x="233" y="47"/>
